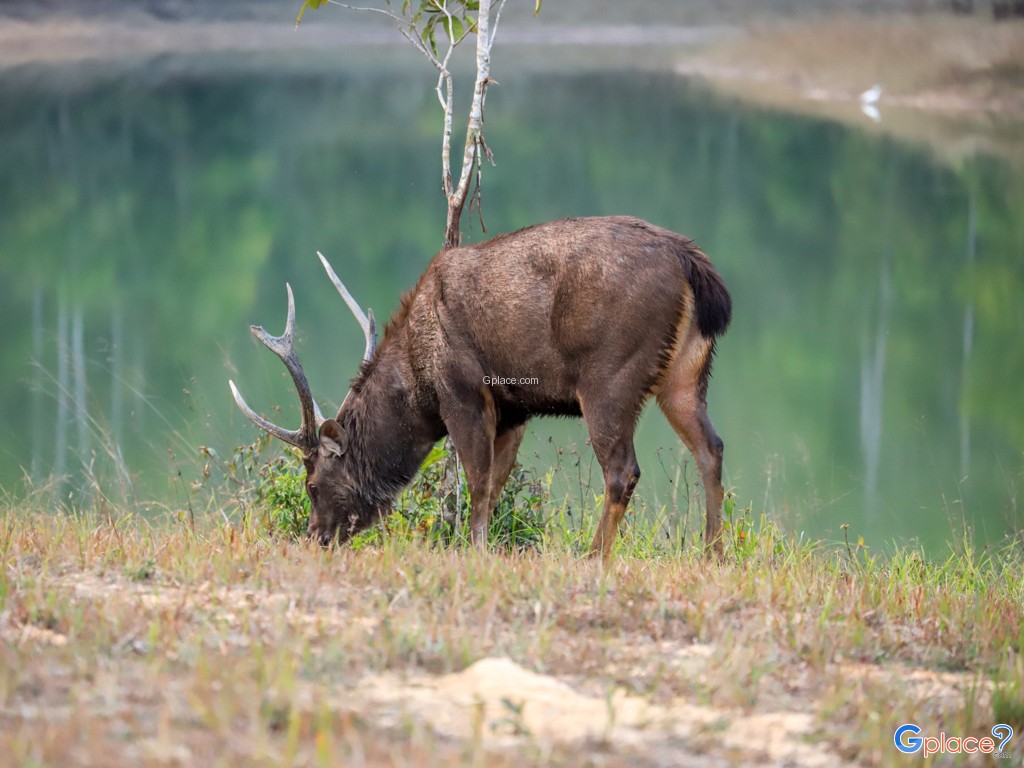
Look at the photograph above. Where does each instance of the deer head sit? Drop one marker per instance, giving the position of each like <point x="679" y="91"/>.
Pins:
<point x="337" y="509"/>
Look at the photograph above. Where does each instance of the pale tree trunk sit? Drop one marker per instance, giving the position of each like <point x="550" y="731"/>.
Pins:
<point x="473" y="155"/>
<point x="421" y="35"/>
<point x="476" y="149"/>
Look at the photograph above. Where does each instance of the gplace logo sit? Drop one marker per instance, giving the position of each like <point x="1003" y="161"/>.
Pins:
<point x="908" y="740"/>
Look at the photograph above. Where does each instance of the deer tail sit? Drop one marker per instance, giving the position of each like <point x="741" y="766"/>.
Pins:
<point x="713" y="303"/>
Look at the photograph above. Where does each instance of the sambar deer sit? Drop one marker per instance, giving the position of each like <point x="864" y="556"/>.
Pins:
<point x="579" y="317"/>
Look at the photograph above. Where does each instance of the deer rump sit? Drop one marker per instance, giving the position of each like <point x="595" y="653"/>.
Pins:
<point x="579" y="317"/>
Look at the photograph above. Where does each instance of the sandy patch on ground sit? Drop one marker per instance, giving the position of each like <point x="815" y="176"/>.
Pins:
<point x="503" y="704"/>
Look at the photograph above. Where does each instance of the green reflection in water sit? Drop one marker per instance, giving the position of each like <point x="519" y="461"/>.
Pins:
<point x="871" y="375"/>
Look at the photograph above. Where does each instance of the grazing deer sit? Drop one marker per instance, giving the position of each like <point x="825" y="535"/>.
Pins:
<point x="580" y="317"/>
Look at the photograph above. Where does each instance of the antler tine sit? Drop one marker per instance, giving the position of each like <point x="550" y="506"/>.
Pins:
<point x="292" y="437"/>
<point x="366" y="321"/>
<point x="371" y="335"/>
<point x="283" y="346"/>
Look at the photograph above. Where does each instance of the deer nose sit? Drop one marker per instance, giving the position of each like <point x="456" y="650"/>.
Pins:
<point x="323" y="538"/>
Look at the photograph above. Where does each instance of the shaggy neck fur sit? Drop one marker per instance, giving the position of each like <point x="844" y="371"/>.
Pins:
<point x="387" y="439"/>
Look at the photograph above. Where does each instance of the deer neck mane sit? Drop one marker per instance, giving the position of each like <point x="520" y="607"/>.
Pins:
<point x="388" y="436"/>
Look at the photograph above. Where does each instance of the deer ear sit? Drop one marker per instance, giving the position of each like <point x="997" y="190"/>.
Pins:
<point x="333" y="439"/>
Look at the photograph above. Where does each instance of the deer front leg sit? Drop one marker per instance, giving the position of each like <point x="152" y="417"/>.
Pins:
<point x="506" y="446"/>
<point x="472" y="425"/>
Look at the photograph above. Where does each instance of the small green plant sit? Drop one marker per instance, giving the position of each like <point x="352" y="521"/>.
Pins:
<point x="856" y="556"/>
<point x="143" y="571"/>
<point x="518" y="521"/>
<point x="744" y="537"/>
<point x="1008" y="696"/>
<point x="438" y="506"/>
<point x="281" y="496"/>
<point x="430" y="501"/>
<point x="738" y="528"/>
<point x="271" y="490"/>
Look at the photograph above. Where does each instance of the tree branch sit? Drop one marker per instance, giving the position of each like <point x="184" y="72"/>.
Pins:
<point x="368" y="9"/>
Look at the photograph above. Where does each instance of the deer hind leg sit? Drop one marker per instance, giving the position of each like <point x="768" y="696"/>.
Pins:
<point x="682" y="398"/>
<point x="611" y="435"/>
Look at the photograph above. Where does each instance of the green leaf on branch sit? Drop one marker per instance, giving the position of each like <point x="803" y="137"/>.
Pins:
<point x="536" y="7"/>
<point x="305" y="6"/>
<point x="427" y="36"/>
<point x="457" y="31"/>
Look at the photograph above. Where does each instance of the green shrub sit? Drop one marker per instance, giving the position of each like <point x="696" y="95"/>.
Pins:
<point x="281" y="496"/>
<point x="435" y="505"/>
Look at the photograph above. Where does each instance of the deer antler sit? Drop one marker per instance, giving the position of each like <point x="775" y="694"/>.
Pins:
<point x="305" y="437"/>
<point x="366" y="320"/>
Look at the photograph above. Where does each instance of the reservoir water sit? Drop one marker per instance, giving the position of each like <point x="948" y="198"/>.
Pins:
<point x="871" y="376"/>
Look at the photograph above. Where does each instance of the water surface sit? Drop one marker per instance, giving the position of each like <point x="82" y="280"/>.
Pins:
<point x="871" y="375"/>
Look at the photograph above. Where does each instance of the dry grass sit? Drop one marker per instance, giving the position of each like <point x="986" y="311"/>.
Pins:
<point x="131" y="642"/>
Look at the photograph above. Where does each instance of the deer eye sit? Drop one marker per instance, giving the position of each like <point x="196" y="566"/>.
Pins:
<point x="313" y="490"/>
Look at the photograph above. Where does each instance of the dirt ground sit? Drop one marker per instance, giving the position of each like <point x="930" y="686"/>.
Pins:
<point x="187" y="671"/>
